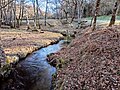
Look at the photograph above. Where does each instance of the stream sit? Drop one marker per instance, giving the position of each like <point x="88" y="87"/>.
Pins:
<point x="38" y="71"/>
<point x="35" y="73"/>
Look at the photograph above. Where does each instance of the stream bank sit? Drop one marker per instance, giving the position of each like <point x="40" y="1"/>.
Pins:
<point x="33" y="73"/>
<point x="18" y="44"/>
<point x="93" y="61"/>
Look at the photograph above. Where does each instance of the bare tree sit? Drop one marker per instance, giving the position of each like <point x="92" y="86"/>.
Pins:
<point x="0" y="13"/>
<point x="80" y="11"/>
<point x="56" y="3"/>
<point x="66" y="9"/>
<point x="5" y="5"/>
<point x="14" y="10"/>
<point x="35" y="28"/>
<point x="74" y="10"/>
<point x="38" y="15"/>
<point x="96" y="14"/>
<point x="27" y="18"/>
<point x="46" y="11"/>
<point x="11" y="16"/>
<point x="114" y="12"/>
<point x="19" y="19"/>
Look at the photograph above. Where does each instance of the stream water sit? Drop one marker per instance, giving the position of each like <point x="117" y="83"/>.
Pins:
<point x="35" y="72"/>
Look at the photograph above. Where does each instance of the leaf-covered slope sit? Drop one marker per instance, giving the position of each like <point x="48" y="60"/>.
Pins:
<point x="93" y="62"/>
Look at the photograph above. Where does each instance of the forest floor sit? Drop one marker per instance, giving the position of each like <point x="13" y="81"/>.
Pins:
<point x="94" y="57"/>
<point x="19" y="43"/>
<point x="90" y="62"/>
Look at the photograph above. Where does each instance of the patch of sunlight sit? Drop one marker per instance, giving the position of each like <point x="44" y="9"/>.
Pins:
<point x="107" y="23"/>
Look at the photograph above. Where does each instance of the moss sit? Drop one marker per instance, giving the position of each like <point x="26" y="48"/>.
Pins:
<point x="54" y="75"/>
<point x="6" y="70"/>
<point x="118" y="72"/>
<point x="60" y="63"/>
<point x="60" y="86"/>
<point x="68" y="39"/>
<point x="12" y="59"/>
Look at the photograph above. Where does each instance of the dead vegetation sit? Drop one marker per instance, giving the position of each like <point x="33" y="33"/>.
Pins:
<point x="92" y="62"/>
<point x="21" y="43"/>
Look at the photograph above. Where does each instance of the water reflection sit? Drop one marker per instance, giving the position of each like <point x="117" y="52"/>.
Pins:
<point x="38" y="69"/>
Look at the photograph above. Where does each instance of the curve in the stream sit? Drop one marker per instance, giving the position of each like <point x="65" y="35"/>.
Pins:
<point x="36" y="71"/>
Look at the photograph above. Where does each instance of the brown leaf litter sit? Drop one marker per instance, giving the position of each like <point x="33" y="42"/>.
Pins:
<point x="92" y="62"/>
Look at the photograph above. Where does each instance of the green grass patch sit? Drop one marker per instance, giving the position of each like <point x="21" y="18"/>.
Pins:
<point x="103" y="18"/>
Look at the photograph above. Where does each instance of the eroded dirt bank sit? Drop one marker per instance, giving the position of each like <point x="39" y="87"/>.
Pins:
<point x="90" y="62"/>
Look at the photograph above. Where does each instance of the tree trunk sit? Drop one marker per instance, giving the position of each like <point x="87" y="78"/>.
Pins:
<point x="0" y="13"/>
<point x="46" y="12"/>
<point x="19" y="17"/>
<point x="35" y="28"/>
<point x="15" y="14"/>
<point x="38" y="18"/>
<point x="28" y="24"/>
<point x="74" y="11"/>
<point x="66" y="15"/>
<point x="66" y="10"/>
<point x="12" y="15"/>
<point x="27" y="19"/>
<point x="96" y="14"/>
<point x="80" y="12"/>
<point x="115" y="8"/>
<point x="22" y="13"/>
<point x="57" y="15"/>
<point x="4" y="13"/>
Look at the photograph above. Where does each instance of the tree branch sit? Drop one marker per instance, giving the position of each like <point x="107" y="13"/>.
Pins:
<point x="6" y="4"/>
